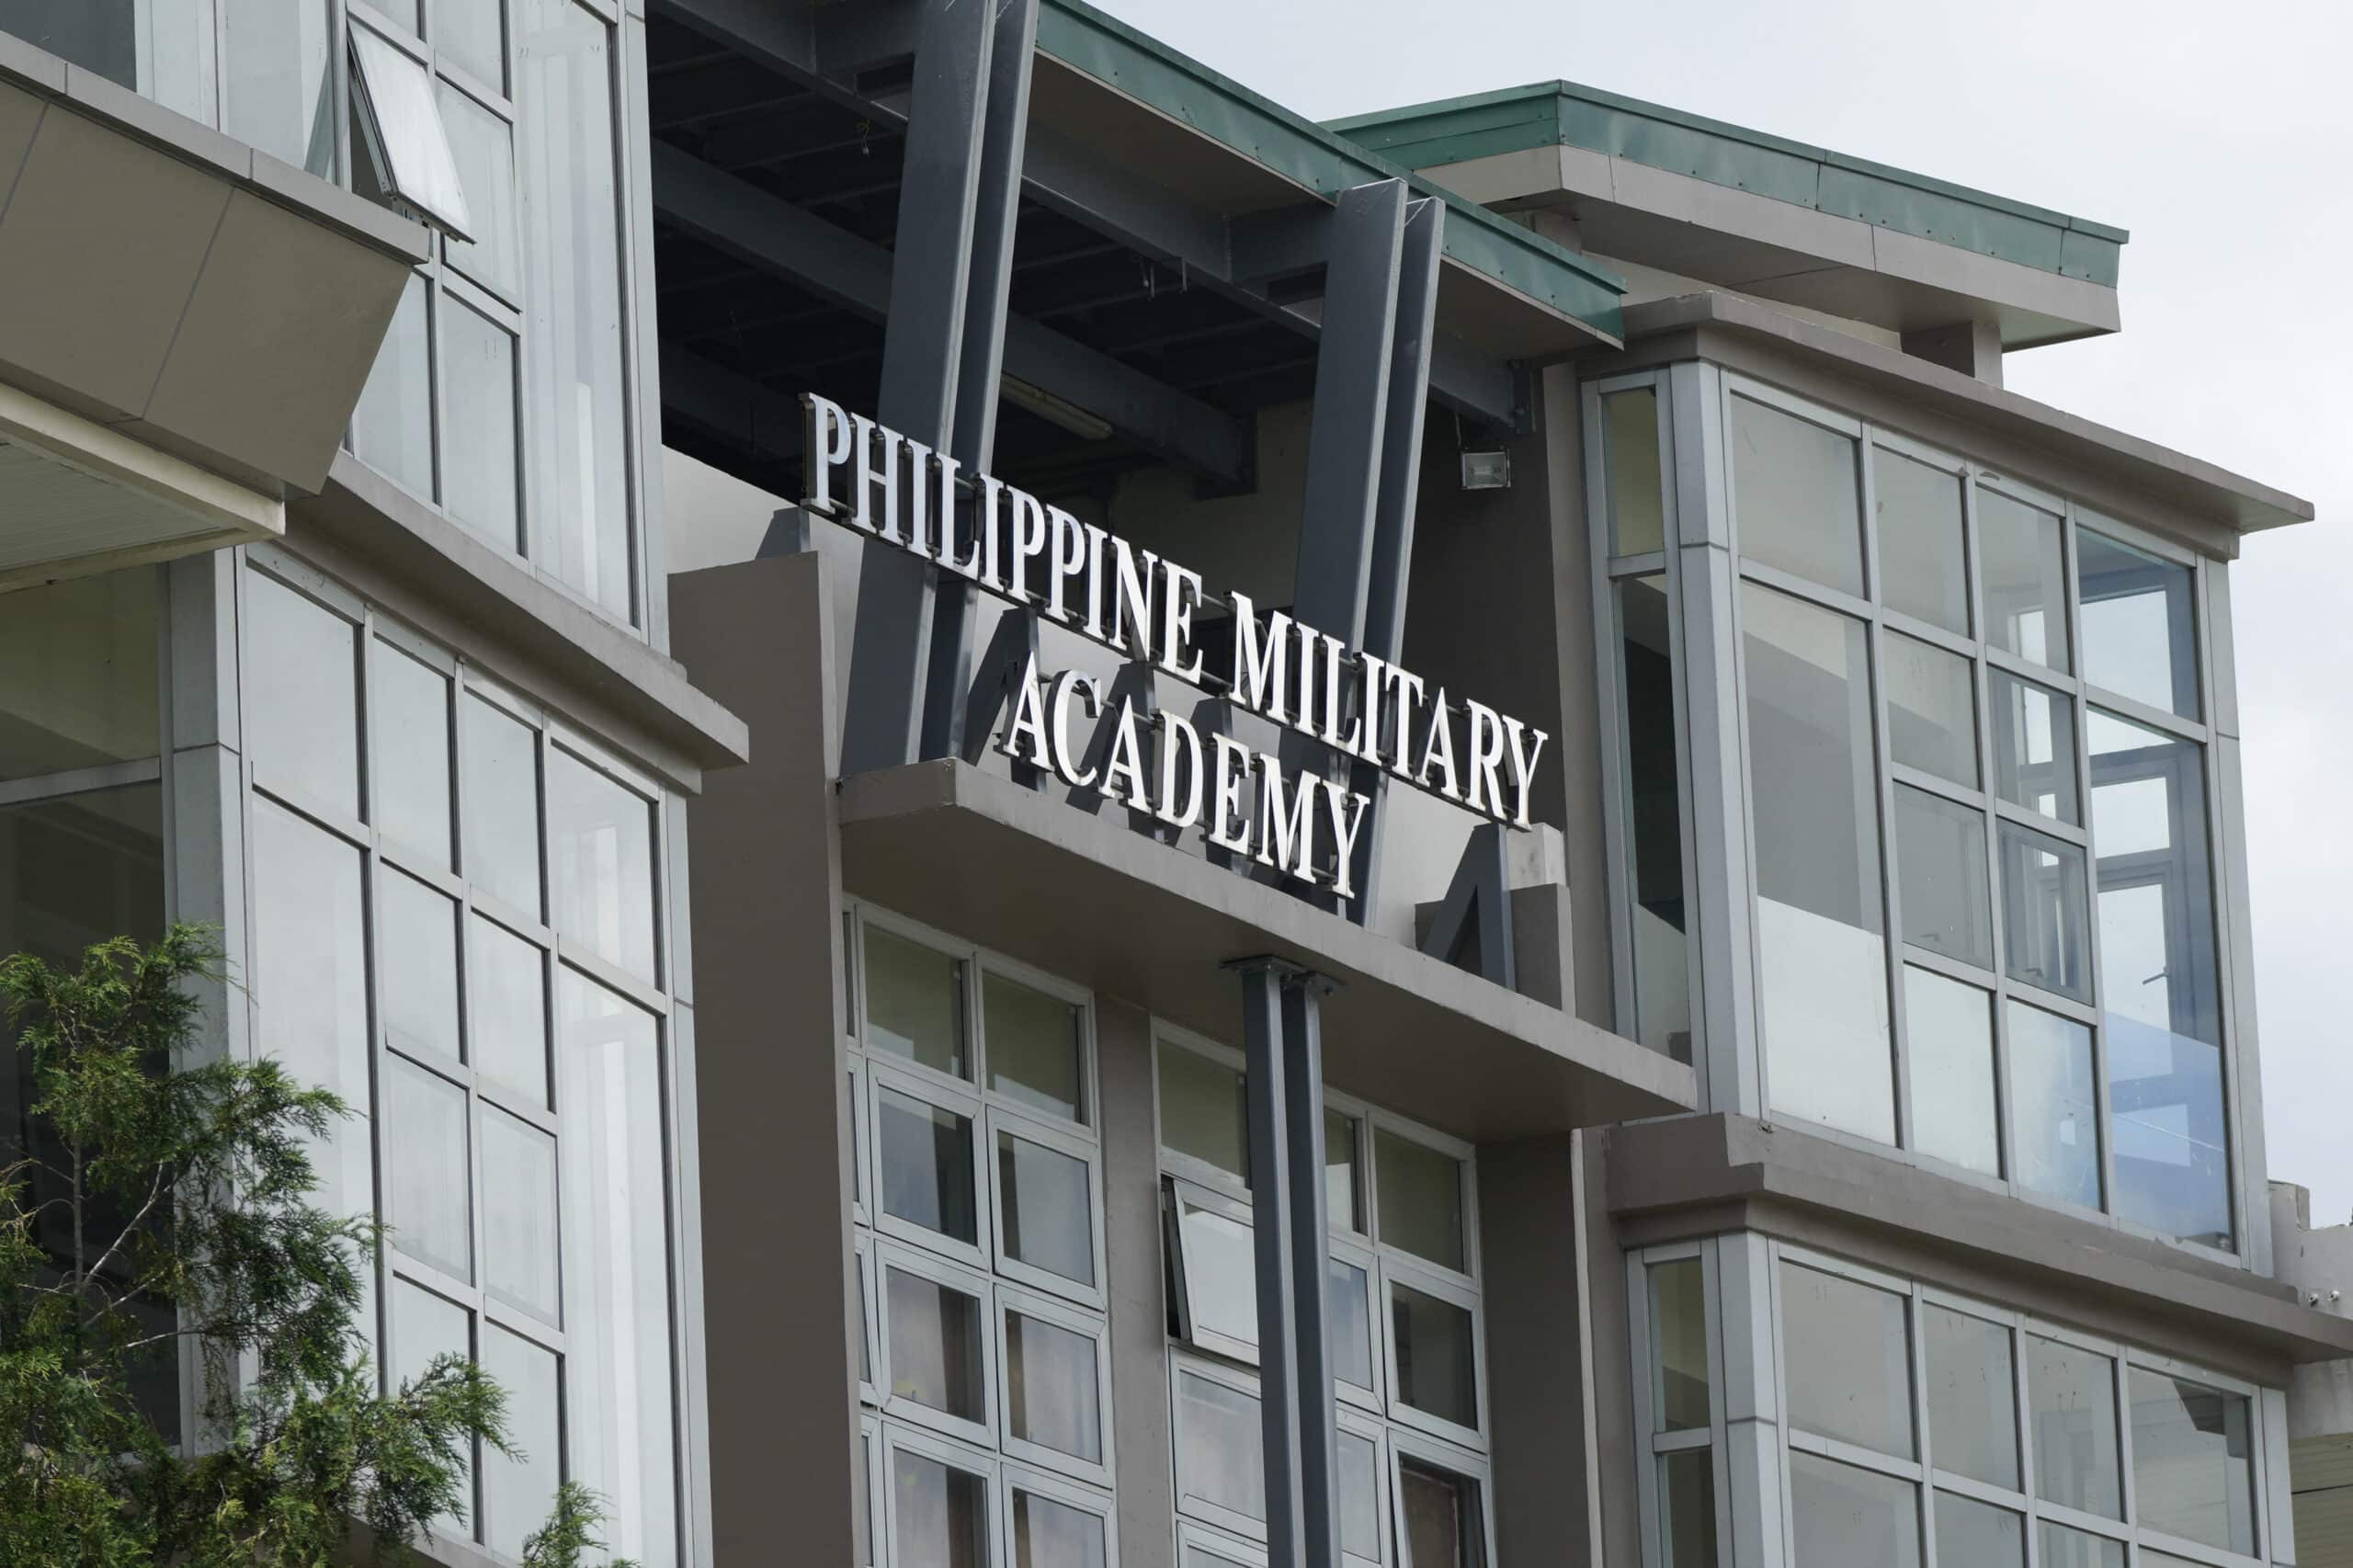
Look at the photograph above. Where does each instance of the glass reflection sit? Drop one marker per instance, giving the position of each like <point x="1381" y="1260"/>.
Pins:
<point x="2034" y="747"/>
<point x="940" y="1514"/>
<point x="518" y="1489"/>
<point x="1220" y="1447"/>
<point x="1637" y="510"/>
<point x="1679" y="1329"/>
<point x="1848" y="1359"/>
<point x="935" y="1354"/>
<point x="1949" y="1032"/>
<point x="1035" y="1047"/>
<point x="1931" y="713"/>
<point x="1845" y="1517"/>
<point x="1052" y="1392"/>
<point x="2140" y="631"/>
<point x="1421" y="1201"/>
<point x="79" y="684"/>
<point x="2053" y="1106"/>
<point x="1048" y="1208"/>
<point x="429" y="1206"/>
<point x="1438" y="1369"/>
<point x="1973" y="1397"/>
<point x="1202" y="1111"/>
<point x="1978" y="1533"/>
<point x="925" y="1155"/>
<point x="1347" y="1311"/>
<point x="1796" y="502"/>
<point x="1920" y="567"/>
<point x="1050" y="1534"/>
<point x="2026" y="579"/>
<point x="2193" y="1461"/>
<point x="1654" y="818"/>
<point x="2044" y="922"/>
<point x="2072" y="1398"/>
<point x="915" y="1003"/>
<point x="1940" y="873"/>
<point x="600" y="863"/>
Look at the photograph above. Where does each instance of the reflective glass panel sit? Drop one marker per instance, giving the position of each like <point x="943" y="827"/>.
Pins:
<point x="1637" y="512"/>
<point x="1347" y="1310"/>
<point x="1036" y="1047"/>
<point x="429" y="1207"/>
<point x="915" y="1003"/>
<point x="936" y="1349"/>
<point x="1051" y="1534"/>
<point x="2053" y="1106"/>
<point x="2071" y="1394"/>
<point x="418" y="998"/>
<point x="923" y="1155"/>
<point x="2044" y="922"/>
<point x="478" y="485"/>
<point x="309" y="962"/>
<point x="1362" y="1530"/>
<point x="1796" y="503"/>
<point x="1978" y="1534"/>
<point x="1815" y="793"/>
<point x="1443" y="1524"/>
<point x="506" y="994"/>
<point x="1048" y="1198"/>
<point x="392" y="99"/>
<point x="1437" y="1367"/>
<point x="2140" y="630"/>
<point x="2193" y="1461"/>
<point x="1421" y="1201"/>
<point x="2034" y="747"/>
<point x="1920" y="570"/>
<point x="1931" y="713"/>
<point x="1973" y="1397"/>
<point x="411" y="713"/>
<point x="78" y="675"/>
<point x="392" y="428"/>
<point x="519" y="1213"/>
<point x="425" y="1327"/>
<point x="502" y="805"/>
<point x="518" y="1489"/>
<point x="1849" y="1361"/>
<point x="2063" y="1548"/>
<point x="1843" y="1516"/>
<point x="1052" y="1393"/>
<point x="2026" y="579"/>
<point x="1679" y="1329"/>
<point x="1686" y="1486"/>
<point x="1342" y="1208"/>
<point x="301" y="676"/>
<point x="483" y="147"/>
<point x="939" y="1514"/>
<point x="273" y="93"/>
<point x="468" y="32"/>
<point x="1950" y="1029"/>
<point x="1221" y="1280"/>
<point x="1220" y="1449"/>
<point x="1203" y="1112"/>
<point x="1940" y="865"/>
<point x="600" y="863"/>
<point x="1654" y="818"/>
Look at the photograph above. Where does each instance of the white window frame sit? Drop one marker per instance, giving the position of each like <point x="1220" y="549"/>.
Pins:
<point x="967" y="1016"/>
<point x="932" y="1090"/>
<point x="1193" y="1536"/>
<point x="982" y="964"/>
<point x="869" y="1443"/>
<point x="895" y="1439"/>
<point x="1369" y="1428"/>
<point x="1200" y="1172"/>
<point x="1180" y="1191"/>
<point x="869" y="1279"/>
<point x="1442" y="1455"/>
<point x="1180" y="1367"/>
<point x="1436" y="1283"/>
<point x="1014" y="1476"/>
<point x="889" y="1255"/>
<point x="1359" y="1254"/>
<point x="1002" y="1121"/>
<point x="1651" y="1443"/>
<point x="1056" y="1314"/>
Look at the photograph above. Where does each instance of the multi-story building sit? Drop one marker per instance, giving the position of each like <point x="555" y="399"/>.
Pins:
<point x="337" y="617"/>
<point x="1801" y="1107"/>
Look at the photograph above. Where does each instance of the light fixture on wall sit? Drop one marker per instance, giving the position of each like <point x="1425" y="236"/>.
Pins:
<point x="1054" y="409"/>
<point x="1487" y="470"/>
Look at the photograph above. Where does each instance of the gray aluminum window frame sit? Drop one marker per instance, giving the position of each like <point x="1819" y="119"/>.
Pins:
<point x="1651" y="1443"/>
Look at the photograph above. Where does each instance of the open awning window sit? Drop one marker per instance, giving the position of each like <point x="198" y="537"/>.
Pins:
<point x="392" y="100"/>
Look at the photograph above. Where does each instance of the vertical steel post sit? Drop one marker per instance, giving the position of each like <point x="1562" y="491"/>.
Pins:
<point x="1319" y="1434"/>
<point x="922" y="352"/>
<point x="1263" y="983"/>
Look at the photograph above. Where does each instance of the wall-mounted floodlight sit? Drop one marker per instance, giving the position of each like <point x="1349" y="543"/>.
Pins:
<point x="392" y="99"/>
<point x="1487" y="470"/>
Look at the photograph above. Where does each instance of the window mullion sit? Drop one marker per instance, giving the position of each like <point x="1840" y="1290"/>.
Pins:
<point x="2102" y="1115"/>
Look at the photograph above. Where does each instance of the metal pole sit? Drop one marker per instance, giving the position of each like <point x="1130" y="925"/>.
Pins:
<point x="1263" y="983"/>
<point x="1319" y="1444"/>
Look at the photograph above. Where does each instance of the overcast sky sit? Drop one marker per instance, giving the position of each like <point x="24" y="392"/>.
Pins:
<point x="2221" y="136"/>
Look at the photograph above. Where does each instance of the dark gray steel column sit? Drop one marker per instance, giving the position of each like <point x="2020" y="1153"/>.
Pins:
<point x="973" y="443"/>
<point x="1264" y="981"/>
<point x="1319" y="1431"/>
<point x="1401" y="478"/>
<point x="923" y="353"/>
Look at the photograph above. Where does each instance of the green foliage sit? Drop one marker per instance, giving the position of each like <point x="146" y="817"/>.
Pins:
<point x="159" y="1215"/>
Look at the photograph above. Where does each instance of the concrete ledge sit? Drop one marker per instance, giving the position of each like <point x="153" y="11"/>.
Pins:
<point x="1706" y="1174"/>
<point x="1086" y="898"/>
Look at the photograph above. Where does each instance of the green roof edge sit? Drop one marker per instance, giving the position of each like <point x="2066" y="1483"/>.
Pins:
<point x="1874" y="193"/>
<point x="1322" y="160"/>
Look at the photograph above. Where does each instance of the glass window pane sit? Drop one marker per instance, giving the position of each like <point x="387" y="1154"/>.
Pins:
<point x="1036" y="1048"/>
<point x="2053" y="1105"/>
<point x="478" y="450"/>
<point x="2140" y="631"/>
<point x="572" y="263"/>
<point x="1637" y="511"/>
<point x="1795" y="501"/>
<point x="1343" y="1208"/>
<point x="1679" y="1331"/>
<point x="419" y="929"/>
<point x="2063" y="1548"/>
<point x="274" y="90"/>
<point x="600" y="863"/>
<point x="1437" y="1367"/>
<point x="617" y="1266"/>
<point x="1841" y="1516"/>
<point x="468" y="32"/>
<point x="1220" y="1447"/>
<point x="392" y="428"/>
<point x="502" y="806"/>
<point x="915" y="1003"/>
<point x="1445" y="1527"/>
<point x="392" y="104"/>
<point x="1949" y="1028"/>
<point x="2070" y="1395"/>
<point x="1049" y="1204"/>
<point x="1421" y="1201"/>
<point x="2026" y="579"/>
<point x="1363" y="1532"/>
<point x="310" y="963"/>
<point x="1978" y="1534"/>
<point x="519" y="1213"/>
<point x="1920" y="570"/>
<point x="2193" y="1461"/>
<point x="1849" y="1361"/>
<point x="519" y="1490"/>
<point x="936" y="1355"/>
<point x="924" y="1155"/>
<point x="1050" y="1534"/>
<point x="1931" y="713"/>
<point x="1973" y="1398"/>
<point x="1654" y="818"/>
<point x="301" y="676"/>
<point x="425" y="1327"/>
<point x="1940" y="865"/>
<point x="1052" y="1393"/>
<point x="1347" y="1313"/>
<point x="412" y="754"/>
<point x="1815" y="791"/>
<point x="1221" y="1280"/>
<point x="1687" y="1484"/>
<point x="506" y="996"/>
<point x="2160" y="987"/>
<point x="1203" y="1112"/>
<point x="940" y="1512"/>
<point x="429" y="1209"/>
<point x="78" y="682"/>
<point x="483" y="147"/>
<point x="2034" y="747"/>
<point x="2043" y="918"/>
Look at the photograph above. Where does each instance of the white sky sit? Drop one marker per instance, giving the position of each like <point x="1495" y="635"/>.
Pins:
<point x="2221" y="136"/>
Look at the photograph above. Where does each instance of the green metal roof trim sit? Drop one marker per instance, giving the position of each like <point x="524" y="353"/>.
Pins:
<point x="1545" y="113"/>
<point x="1148" y="71"/>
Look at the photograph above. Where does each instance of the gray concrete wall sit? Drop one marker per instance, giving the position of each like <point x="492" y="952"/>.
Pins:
<point x="1140" y="1416"/>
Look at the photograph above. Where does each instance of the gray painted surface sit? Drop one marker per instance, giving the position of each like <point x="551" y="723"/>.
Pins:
<point x="1617" y="1531"/>
<point x="1537" y="1346"/>
<point x="1139" y="1414"/>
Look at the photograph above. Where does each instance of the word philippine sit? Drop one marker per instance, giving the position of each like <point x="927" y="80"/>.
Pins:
<point x="1354" y="704"/>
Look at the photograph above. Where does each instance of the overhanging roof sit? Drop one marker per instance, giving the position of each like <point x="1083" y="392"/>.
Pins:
<point x="1786" y="219"/>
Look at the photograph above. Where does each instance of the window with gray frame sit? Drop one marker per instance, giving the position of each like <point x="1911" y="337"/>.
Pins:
<point x="1679" y="1411"/>
<point x="455" y="905"/>
<point x="1975" y="753"/>
<point x="984" y="1362"/>
<point x="1403" y="1304"/>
